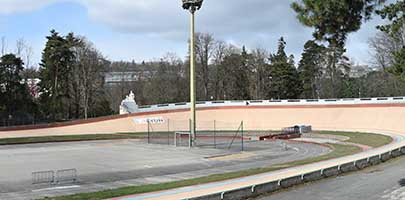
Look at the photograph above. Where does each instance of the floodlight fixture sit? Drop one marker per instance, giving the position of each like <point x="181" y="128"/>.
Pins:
<point x="192" y="5"/>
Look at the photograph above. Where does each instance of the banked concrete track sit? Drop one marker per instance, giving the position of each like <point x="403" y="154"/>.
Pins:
<point x="382" y="115"/>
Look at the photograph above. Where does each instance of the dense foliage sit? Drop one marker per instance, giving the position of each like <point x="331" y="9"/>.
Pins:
<point x="14" y="97"/>
<point x="333" y="20"/>
<point x="394" y="32"/>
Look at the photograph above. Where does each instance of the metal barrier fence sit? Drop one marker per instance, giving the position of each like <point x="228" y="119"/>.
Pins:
<point x="66" y="175"/>
<point x="43" y="177"/>
<point x="49" y="177"/>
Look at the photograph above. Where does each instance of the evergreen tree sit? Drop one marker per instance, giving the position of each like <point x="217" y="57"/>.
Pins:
<point x="10" y="69"/>
<point x="242" y="76"/>
<point x="398" y="68"/>
<point x="14" y="94"/>
<point x="310" y="68"/>
<point x="56" y="63"/>
<point x="333" y="20"/>
<point x="284" y="80"/>
<point x="234" y="70"/>
<point x="395" y="13"/>
<point x="229" y="70"/>
<point x="336" y="69"/>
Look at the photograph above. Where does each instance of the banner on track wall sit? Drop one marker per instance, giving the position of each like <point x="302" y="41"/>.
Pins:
<point x="152" y="120"/>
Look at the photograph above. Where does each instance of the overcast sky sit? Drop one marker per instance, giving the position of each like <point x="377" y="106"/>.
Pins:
<point x="147" y="29"/>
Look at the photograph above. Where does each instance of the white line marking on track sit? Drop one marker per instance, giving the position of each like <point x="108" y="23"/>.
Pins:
<point x="57" y="188"/>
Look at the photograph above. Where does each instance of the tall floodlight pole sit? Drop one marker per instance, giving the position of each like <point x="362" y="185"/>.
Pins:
<point x="192" y="6"/>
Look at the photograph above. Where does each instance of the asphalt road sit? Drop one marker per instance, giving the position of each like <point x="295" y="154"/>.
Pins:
<point x="382" y="182"/>
<point x="110" y="164"/>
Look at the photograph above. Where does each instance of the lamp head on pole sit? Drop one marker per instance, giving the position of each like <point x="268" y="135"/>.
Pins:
<point x="192" y="4"/>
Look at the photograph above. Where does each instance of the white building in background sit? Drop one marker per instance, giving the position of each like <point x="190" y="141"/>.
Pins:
<point x="114" y="78"/>
<point x="357" y="71"/>
<point x="128" y="105"/>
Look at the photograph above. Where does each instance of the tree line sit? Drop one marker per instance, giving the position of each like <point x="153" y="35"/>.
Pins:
<point x="72" y="71"/>
<point x="71" y="83"/>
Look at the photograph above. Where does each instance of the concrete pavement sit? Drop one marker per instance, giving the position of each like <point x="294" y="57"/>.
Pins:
<point x="382" y="182"/>
<point x="112" y="164"/>
<point x="212" y="188"/>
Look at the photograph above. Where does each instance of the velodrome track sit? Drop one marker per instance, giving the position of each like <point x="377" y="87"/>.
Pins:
<point x="385" y="116"/>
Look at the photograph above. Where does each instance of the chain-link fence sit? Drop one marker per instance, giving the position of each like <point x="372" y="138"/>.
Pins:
<point x="158" y="136"/>
<point x="21" y="119"/>
<point x="220" y="135"/>
<point x="165" y="133"/>
<point x="209" y="134"/>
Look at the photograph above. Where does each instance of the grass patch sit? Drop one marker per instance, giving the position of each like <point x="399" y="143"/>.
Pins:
<point x="339" y="151"/>
<point x="69" y="138"/>
<point x="369" y="139"/>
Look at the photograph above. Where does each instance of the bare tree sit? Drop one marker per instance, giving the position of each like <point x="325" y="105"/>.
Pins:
<point x="20" y="47"/>
<point x="221" y="51"/>
<point x="3" y="46"/>
<point x="205" y="46"/>
<point x="29" y="52"/>
<point x="384" y="45"/>
<point x="259" y="68"/>
<point x="87" y="72"/>
<point x="24" y="51"/>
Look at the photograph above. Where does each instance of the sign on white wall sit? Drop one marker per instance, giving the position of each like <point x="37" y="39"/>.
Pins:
<point x="152" y="120"/>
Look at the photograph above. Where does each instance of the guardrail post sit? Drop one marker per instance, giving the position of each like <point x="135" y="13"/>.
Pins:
<point x="190" y="137"/>
<point x="175" y="139"/>
<point x="222" y="195"/>
<point x="168" y="131"/>
<point x="242" y="136"/>
<point x="148" y="131"/>
<point x="253" y="188"/>
<point x="215" y="134"/>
